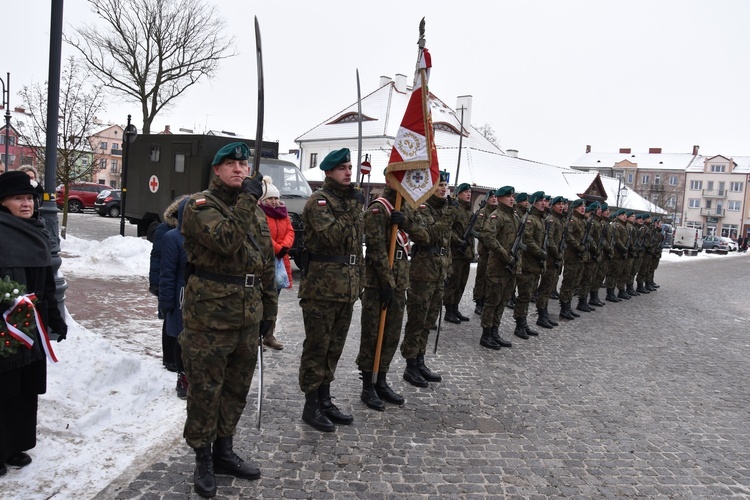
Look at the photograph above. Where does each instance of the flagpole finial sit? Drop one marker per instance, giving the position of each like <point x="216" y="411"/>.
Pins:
<point x="421" y="41"/>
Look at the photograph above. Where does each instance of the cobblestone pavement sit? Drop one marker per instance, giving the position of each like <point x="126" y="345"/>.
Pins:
<point x="645" y="398"/>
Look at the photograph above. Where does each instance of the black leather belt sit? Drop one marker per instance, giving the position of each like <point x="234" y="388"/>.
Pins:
<point x="248" y="280"/>
<point x="400" y="254"/>
<point x="430" y="250"/>
<point x="351" y="260"/>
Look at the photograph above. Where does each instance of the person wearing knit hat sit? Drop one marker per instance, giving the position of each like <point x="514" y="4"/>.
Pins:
<point x="282" y="238"/>
<point x="576" y="255"/>
<point x="462" y="255"/>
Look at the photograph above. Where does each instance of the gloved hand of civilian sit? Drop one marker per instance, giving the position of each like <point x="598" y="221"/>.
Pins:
<point x="265" y="327"/>
<point x="282" y="252"/>
<point x="398" y="218"/>
<point x="62" y="332"/>
<point x="253" y="185"/>
<point x="154" y="291"/>
<point x="386" y="296"/>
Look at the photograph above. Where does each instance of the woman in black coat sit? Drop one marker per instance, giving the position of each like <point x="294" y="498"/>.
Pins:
<point x="25" y="258"/>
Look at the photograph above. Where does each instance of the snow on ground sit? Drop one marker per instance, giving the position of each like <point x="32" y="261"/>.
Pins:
<point x="104" y="408"/>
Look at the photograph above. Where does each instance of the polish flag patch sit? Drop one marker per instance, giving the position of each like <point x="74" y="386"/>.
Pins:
<point x="200" y="201"/>
<point x="322" y="203"/>
<point x="376" y="210"/>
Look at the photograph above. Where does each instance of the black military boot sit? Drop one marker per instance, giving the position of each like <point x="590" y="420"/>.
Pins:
<point x="479" y="307"/>
<point x="412" y="375"/>
<point x="498" y="339"/>
<point x="458" y="313"/>
<point x="385" y="392"/>
<point x="512" y="302"/>
<point x="565" y="312"/>
<point x="542" y="320"/>
<point x="649" y="286"/>
<point x="426" y="373"/>
<point x="312" y="415"/>
<point x="594" y="299"/>
<point x="520" y="330"/>
<point x="654" y="285"/>
<point x="529" y="331"/>
<point x="583" y="305"/>
<point x="631" y="291"/>
<point x="611" y="297"/>
<point x="226" y="461"/>
<point x="204" y="481"/>
<point x="641" y="288"/>
<point x="329" y="409"/>
<point x="623" y="295"/>
<point x="547" y="317"/>
<point x="487" y="340"/>
<point x="450" y="315"/>
<point x="369" y="396"/>
<point x="554" y="295"/>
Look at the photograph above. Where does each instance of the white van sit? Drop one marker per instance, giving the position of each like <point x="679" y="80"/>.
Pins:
<point x="688" y="237"/>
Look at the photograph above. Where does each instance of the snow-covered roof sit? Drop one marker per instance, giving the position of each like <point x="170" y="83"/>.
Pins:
<point x="742" y="164"/>
<point x="655" y="161"/>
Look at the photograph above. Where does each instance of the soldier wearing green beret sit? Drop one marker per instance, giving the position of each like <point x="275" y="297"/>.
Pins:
<point x="646" y="254"/>
<point x="330" y="286"/>
<point x="657" y="239"/>
<point x="429" y="269"/>
<point x="622" y="249"/>
<point x="548" y="282"/>
<point x="592" y="232"/>
<point x="498" y="234"/>
<point x="462" y="255"/>
<point x="532" y="265"/>
<point x="229" y="301"/>
<point x="576" y="255"/>
<point x="481" y="276"/>
<point x="605" y="253"/>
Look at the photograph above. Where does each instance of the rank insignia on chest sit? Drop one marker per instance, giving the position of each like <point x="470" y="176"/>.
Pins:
<point x="322" y="203"/>
<point x="200" y="201"/>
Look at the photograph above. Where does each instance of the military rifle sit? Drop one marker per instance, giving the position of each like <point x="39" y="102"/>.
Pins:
<point x="470" y="227"/>
<point x="518" y="242"/>
<point x="627" y="242"/>
<point x="561" y="247"/>
<point x="545" y="242"/>
<point x="602" y="239"/>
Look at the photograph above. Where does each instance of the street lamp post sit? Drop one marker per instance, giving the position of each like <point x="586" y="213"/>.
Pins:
<point x="6" y="104"/>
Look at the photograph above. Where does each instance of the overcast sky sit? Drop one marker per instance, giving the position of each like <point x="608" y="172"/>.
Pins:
<point x="549" y="76"/>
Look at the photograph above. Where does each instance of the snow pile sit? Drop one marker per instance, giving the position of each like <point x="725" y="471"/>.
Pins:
<point x="115" y="256"/>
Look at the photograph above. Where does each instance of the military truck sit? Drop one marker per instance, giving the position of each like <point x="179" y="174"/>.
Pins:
<point x="162" y="167"/>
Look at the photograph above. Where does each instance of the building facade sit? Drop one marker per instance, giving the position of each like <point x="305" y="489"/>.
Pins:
<point x="107" y="147"/>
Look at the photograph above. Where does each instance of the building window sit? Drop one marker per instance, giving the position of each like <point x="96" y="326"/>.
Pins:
<point x="696" y="185"/>
<point x="735" y="187"/>
<point x="672" y="180"/>
<point x="657" y="179"/>
<point x="655" y="199"/>
<point x="11" y="140"/>
<point x="313" y="160"/>
<point x="645" y="179"/>
<point x="734" y="205"/>
<point x="672" y="202"/>
<point x="719" y="169"/>
<point x="115" y="147"/>
<point x="630" y="179"/>
<point x="694" y="224"/>
<point x="113" y="166"/>
<point x="103" y="163"/>
<point x="8" y="163"/>
<point x="102" y="145"/>
<point x="27" y="160"/>
<point x="729" y="230"/>
<point x="694" y="203"/>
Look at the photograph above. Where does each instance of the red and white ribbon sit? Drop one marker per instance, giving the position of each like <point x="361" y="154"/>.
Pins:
<point x="21" y="336"/>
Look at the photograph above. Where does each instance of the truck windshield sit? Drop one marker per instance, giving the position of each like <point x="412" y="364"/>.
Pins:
<point x="288" y="179"/>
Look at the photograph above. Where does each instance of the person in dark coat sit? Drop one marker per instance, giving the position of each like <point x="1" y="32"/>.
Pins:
<point x="171" y="290"/>
<point x="25" y="258"/>
<point x="170" y="222"/>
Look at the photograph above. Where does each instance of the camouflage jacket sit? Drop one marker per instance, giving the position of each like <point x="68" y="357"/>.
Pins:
<point x="378" y="230"/>
<point x="498" y="234"/>
<point x="533" y="237"/>
<point x="462" y="217"/>
<point x="555" y="236"/>
<point x="575" y="251"/>
<point x="621" y="238"/>
<point x="431" y="252"/>
<point x="594" y="233"/>
<point x="226" y="233"/>
<point x="333" y="228"/>
<point x="483" y="215"/>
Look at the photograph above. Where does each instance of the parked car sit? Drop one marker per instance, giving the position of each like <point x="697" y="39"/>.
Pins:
<point x="80" y="196"/>
<point x="714" y="242"/>
<point x="731" y="244"/>
<point x="687" y="237"/>
<point x="108" y="203"/>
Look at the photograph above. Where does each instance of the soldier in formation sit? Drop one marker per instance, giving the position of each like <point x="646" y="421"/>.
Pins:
<point x="462" y="254"/>
<point x="480" y="279"/>
<point x="533" y="262"/>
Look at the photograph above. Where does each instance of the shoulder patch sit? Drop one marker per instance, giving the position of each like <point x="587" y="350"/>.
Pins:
<point x="322" y="203"/>
<point x="200" y="201"/>
<point x="480" y="214"/>
<point x="422" y="206"/>
<point x="375" y="210"/>
<point x="493" y="216"/>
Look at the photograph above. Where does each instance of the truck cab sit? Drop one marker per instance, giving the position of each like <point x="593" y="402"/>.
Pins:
<point x="161" y="167"/>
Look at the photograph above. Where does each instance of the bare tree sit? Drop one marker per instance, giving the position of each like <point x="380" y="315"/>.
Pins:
<point x="152" y="50"/>
<point x="79" y="105"/>
<point x="489" y="133"/>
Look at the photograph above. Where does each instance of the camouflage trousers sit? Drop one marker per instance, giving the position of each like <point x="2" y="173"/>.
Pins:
<point x="499" y="290"/>
<point x="219" y="365"/>
<point x="601" y="274"/>
<point x="454" y="289"/>
<point x="526" y="283"/>
<point x="326" y="326"/>
<point x="644" y="268"/>
<point x="652" y="269"/>
<point x="371" y="322"/>
<point x="587" y="278"/>
<point x="423" y="303"/>
<point x="572" y="274"/>
<point x="481" y="277"/>
<point x="547" y="284"/>
<point x="634" y="270"/>
<point x="613" y="272"/>
<point x="623" y="280"/>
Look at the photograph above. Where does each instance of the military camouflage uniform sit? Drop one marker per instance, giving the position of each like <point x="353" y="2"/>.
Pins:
<point x="590" y="266"/>
<point x="605" y="253"/>
<point x="484" y="254"/>
<point x="226" y="238"/>
<point x="551" y="275"/>
<point x="533" y="262"/>
<point x="331" y="285"/>
<point x="576" y="255"/>
<point x="622" y="249"/>
<point x="460" y="260"/>
<point x="429" y="268"/>
<point x="499" y="233"/>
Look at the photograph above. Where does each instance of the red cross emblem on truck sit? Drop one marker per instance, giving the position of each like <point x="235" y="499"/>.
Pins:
<point x="153" y="183"/>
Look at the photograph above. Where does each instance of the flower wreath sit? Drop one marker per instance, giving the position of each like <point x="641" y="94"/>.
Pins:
<point x="21" y="321"/>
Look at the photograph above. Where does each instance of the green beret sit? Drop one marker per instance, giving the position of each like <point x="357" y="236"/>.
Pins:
<point x="521" y="197"/>
<point x="536" y="196"/>
<point x="656" y="219"/>
<point x="335" y="158"/>
<point x="547" y="197"/>
<point x="556" y="200"/>
<point x="604" y="206"/>
<point x="629" y="213"/>
<point x="577" y="203"/>
<point x="638" y="216"/>
<point x="592" y="207"/>
<point x="646" y="216"/>
<point x="232" y="151"/>
<point x="445" y="176"/>
<point x="464" y="186"/>
<point x="505" y="191"/>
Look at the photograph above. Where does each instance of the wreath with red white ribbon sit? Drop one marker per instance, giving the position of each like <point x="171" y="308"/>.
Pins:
<point x="18" y="327"/>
